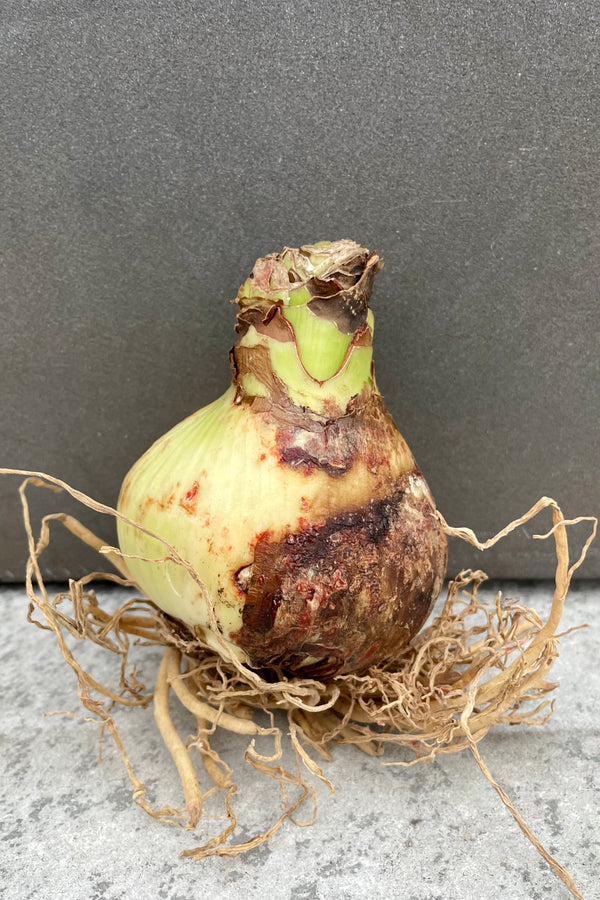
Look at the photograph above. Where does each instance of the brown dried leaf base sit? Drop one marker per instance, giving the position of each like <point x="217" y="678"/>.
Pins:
<point x="476" y="666"/>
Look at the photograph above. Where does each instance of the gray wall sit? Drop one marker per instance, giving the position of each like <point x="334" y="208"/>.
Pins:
<point x="150" y="151"/>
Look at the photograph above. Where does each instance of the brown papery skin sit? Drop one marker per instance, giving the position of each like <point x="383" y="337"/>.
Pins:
<point x="348" y="591"/>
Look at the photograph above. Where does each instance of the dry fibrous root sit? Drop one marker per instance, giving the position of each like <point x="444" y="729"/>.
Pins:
<point x="477" y="665"/>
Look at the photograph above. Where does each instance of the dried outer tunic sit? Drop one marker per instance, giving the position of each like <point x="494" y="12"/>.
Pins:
<point x="313" y="602"/>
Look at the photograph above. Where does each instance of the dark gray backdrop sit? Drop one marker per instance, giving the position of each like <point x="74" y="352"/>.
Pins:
<point x="150" y="151"/>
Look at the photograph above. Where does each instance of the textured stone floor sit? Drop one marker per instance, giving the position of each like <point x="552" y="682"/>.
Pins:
<point x="69" y="828"/>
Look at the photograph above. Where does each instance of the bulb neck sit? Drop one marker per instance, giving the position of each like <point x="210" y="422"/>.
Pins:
<point x="306" y="330"/>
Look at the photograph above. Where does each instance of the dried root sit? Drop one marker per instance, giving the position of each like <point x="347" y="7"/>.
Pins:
<point x="477" y="665"/>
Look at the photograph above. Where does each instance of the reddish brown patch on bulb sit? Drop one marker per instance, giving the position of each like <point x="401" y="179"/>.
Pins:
<point x="304" y="525"/>
<point x="366" y="433"/>
<point x="191" y="493"/>
<point x="190" y="499"/>
<point x="164" y="503"/>
<point x="345" y="594"/>
<point x="260" y="537"/>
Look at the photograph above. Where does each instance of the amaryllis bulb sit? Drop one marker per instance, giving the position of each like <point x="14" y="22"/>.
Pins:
<point x="293" y="496"/>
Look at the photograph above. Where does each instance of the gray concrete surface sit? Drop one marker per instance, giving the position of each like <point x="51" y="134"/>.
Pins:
<point x="70" y="829"/>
